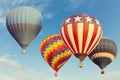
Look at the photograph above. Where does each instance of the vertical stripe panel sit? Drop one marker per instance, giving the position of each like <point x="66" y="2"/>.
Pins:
<point x="93" y="37"/>
<point x="100" y="35"/>
<point x="75" y="34"/>
<point x="96" y="40"/>
<point x="85" y="34"/>
<point x="64" y="33"/>
<point x="80" y="37"/>
<point x="70" y="33"/>
<point x="90" y="34"/>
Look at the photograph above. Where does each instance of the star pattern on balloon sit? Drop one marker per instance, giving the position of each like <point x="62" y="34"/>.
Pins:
<point x="97" y="21"/>
<point x="67" y="21"/>
<point x="81" y="19"/>
<point x="77" y="19"/>
<point x="81" y="33"/>
<point x="88" y="19"/>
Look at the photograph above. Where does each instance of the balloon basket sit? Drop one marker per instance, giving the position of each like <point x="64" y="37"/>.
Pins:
<point x="81" y="65"/>
<point x="56" y="74"/>
<point x="102" y="72"/>
<point x="23" y="51"/>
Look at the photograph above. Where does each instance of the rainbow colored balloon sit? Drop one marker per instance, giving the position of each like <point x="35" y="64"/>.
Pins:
<point x="54" y="51"/>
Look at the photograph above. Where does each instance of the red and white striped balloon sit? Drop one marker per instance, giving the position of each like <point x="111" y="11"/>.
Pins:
<point x="81" y="33"/>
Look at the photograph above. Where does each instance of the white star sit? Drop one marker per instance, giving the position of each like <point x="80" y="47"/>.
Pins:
<point x="68" y="20"/>
<point x="77" y="19"/>
<point x="97" y="22"/>
<point x="88" y="19"/>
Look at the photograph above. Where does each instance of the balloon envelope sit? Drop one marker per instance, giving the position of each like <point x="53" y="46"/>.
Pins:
<point x="104" y="53"/>
<point x="54" y="51"/>
<point x="24" y="24"/>
<point x="81" y="33"/>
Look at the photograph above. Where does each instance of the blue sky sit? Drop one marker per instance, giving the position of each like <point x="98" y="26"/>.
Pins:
<point x="16" y="66"/>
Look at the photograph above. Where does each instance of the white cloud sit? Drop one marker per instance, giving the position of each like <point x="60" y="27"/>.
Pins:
<point x="4" y="1"/>
<point x="48" y="15"/>
<point x="8" y="68"/>
<point x="55" y="78"/>
<point x="43" y="5"/>
<point x="15" y="2"/>
<point x="13" y="70"/>
<point x="2" y="20"/>
<point x="6" y="77"/>
<point x="1" y="12"/>
<point x="79" y="4"/>
<point x="9" y="63"/>
<point x="72" y="4"/>
<point x="9" y="46"/>
<point x="7" y="5"/>
<point x="12" y="3"/>
<point x="115" y="75"/>
<point x="5" y="56"/>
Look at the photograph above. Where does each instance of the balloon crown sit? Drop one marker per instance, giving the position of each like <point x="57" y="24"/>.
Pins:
<point x="81" y="18"/>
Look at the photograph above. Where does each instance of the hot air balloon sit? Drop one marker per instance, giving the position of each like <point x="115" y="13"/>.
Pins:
<point x="104" y="53"/>
<point x="54" y="52"/>
<point x="81" y="33"/>
<point x="24" y="24"/>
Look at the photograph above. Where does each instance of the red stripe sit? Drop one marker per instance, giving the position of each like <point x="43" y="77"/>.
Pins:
<point x="56" y="51"/>
<point x="49" y="56"/>
<point x="47" y="41"/>
<point x="96" y="41"/>
<point x="85" y="34"/>
<point x="65" y="28"/>
<point x="75" y="35"/>
<point x="60" y="61"/>
<point x="93" y="37"/>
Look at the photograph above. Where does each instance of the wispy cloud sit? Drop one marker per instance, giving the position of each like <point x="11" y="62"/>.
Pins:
<point x="7" y="5"/>
<point x="6" y="77"/>
<point x="8" y="68"/>
<point x="13" y="67"/>
<point x="114" y="75"/>
<point x="79" y="4"/>
<point x="13" y="70"/>
<point x="48" y="15"/>
<point x="2" y="20"/>
<point x="9" y="63"/>
<point x="44" y="5"/>
<point x="72" y="5"/>
<point x="1" y="12"/>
